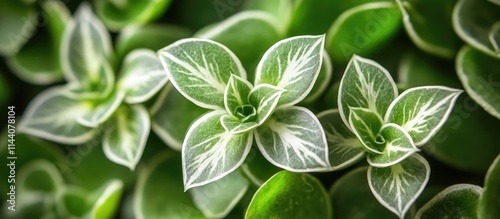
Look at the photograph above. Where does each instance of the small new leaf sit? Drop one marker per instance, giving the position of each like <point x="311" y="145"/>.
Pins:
<point x="292" y="64"/>
<point x="200" y="70"/>
<point x="398" y="186"/>
<point x="235" y="126"/>
<point x="421" y="111"/>
<point x="398" y="146"/>
<point x="366" y="125"/>
<point x="265" y="97"/>
<point x="236" y="94"/>
<point x="102" y="111"/>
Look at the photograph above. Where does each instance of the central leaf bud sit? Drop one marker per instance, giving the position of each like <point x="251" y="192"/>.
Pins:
<point x="245" y="113"/>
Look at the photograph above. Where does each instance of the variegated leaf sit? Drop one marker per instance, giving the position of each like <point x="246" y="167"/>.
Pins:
<point x="365" y="84"/>
<point x="421" y="111"/>
<point x="292" y="64"/>
<point x="86" y="46"/>
<point x="235" y="126"/>
<point x="124" y="142"/>
<point x="107" y="200"/>
<point x="398" y="186"/>
<point x="264" y="97"/>
<point x="293" y="139"/>
<point x="236" y="94"/>
<point x="142" y="76"/>
<point x="488" y="206"/>
<point x="344" y="148"/>
<point x="200" y="70"/>
<point x="101" y="111"/>
<point x="398" y="146"/>
<point x="210" y="152"/>
<point x="366" y="125"/>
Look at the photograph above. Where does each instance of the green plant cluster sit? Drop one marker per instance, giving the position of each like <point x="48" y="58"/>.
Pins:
<point x="250" y="109"/>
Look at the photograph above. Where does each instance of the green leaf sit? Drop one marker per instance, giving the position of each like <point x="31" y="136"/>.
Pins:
<point x="117" y="14"/>
<point x="398" y="146"/>
<point x="70" y="202"/>
<point x="344" y="147"/>
<point x="478" y="24"/>
<point x="234" y="126"/>
<point x="218" y="198"/>
<point x="362" y="30"/>
<point x="101" y="111"/>
<point x="86" y="47"/>
<point x="290" y="195"/>
<point x="459" y="200"/>
<point x="108" y="200"/>
<point x="488" y="205"/>
<point x="51" y="115"/>
<point x="352" y="198"/>
<point x="39" y="176"/>
<point x="323" y="80"/>
<point x="171" y="116"/>
<point x="141" y="76"/>
<point x="163" y="176"/>
<point x="292" y="64"/>
<point x="421" y="111"/>
<point x="430" y="27"/>
<point x="366" y="125"/>
<point x="281" y="9"/>
<point x="482" y="84"/>
<point x="365" y="84"/>
<point x="265" y="98"/>
<point x="398" y="186"/>
<point x="18" y="22"/>
<point x="236" y="95"/>
<point x="293" y="139"/>
<point x="124" y="141"/>
<point x="256" y="168"/>
<point x="209" y="152"/>
<point x="200" y="70"/>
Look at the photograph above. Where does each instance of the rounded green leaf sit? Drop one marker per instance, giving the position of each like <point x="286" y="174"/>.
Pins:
<point x="480" y="80"/>
<point x="290" y="195"/>
<point x="117" y="14"/>
<point x="163" y="176"/>
<point x="363" y="29"/>
<point x="489" y="205"/>
<point x="293" y="139"/>
<point x="18" y="22"/>
<point x="200" y="70"/>
<point x="171" y="116"/>
<point x="343" y="146"/>
<point x="459" y="200"/>
<point x="477" y="22"/>
<point x="428" y="24"/>
<point x="209" y="152"/>
<point x="125" y="140"/>
<point x="292" y="64"/>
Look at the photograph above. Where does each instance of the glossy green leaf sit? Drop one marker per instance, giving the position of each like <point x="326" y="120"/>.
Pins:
<point x="290" y="195"/>
<point x="459" y="200"/>
<point x="163" y="176"/>
<point x="421" y="111"/>
<point x="141" y="76"/>
<point x="234" y="126"/>
<point x="209" y="152"/>
<point x="171" y="116"/>
<point x="365" y="84"/>
<point x="236" y="95"/>
<point x="124" y="141"/>
<point x="200" y="70"/>
<point x="488" y="206"/>
<point x="218" y="198"/>
<point x="293" y="139"/>
<point x="292" y="64"/>
<point x="398" y="186"/>
<point x="398" y="146"/>
<point x="101" y="111"/>
<point x="366" y="125"/>
<point x="344" y="148"/>
<point x="481" y="82"/>
<point x="108" y="200"/>
<point x="257" y="168"/>
<point x="51" y="115"/>
<point x="248" y="34"/>
<point x="430" y="27"/>
<point x="362" y="30"/>
<point x="352" y="198"/>
<point x="323" y="80"/>
<point x="86" y="47"/>
<point x="477" y="22"/>
<point x="18" y="22"/>
<point x="264" y="98"/>
<point x="117" y="14"/>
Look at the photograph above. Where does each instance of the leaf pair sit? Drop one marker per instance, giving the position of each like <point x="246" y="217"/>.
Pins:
<point x="212" y="77"/>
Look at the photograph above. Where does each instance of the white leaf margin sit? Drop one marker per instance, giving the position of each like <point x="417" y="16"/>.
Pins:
<point x="113" y="186"/>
